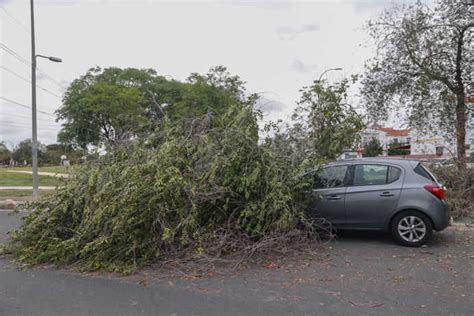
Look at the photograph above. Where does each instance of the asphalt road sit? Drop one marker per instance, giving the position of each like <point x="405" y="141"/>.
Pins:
<point x="358" y="274"/>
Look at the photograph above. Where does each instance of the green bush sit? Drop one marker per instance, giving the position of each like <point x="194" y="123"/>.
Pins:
<point x="396" y="150"/>
<point x="373" y="148"/>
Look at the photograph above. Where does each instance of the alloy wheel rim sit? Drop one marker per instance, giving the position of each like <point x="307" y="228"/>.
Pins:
<point x="411" y="228"/>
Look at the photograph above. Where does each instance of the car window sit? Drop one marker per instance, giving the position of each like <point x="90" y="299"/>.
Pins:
<point x="422" y="171"/>
<point x="370" y="175"/>
<point x="330" y="177"/>
<point x="393" y="174"/>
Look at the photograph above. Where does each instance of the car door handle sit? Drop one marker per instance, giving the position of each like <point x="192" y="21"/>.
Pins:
<point x="387" y="194"/>
<point x="333" y="197"/>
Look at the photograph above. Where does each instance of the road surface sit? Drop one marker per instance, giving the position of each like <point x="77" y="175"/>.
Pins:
<point x="358" y="274"/>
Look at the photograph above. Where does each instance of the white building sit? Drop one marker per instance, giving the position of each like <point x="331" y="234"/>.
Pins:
<point x="386" y="136"/>
<point x="441" y="145"/>
<point x="420" y="145"/>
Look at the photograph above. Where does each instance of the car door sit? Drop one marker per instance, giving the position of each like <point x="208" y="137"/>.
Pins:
<point x="330" y="185"/>
<point x="372" y="194"/>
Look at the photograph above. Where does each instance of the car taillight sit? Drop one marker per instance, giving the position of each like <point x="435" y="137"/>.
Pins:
<point x="436" y="190"/>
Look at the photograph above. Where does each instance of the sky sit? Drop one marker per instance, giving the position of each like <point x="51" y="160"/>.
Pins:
<point x="277" y="47"/>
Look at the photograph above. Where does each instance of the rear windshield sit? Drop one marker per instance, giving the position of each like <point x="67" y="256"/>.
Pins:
<point x="422" y="171"/>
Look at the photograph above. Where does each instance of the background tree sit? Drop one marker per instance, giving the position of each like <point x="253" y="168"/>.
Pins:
<point x="214" y="92"/>
<point x="332" y="123"/>
<point x="52" y="153"/>
<point x="101" y="108"/>
<point x="424" y="64"/>
<point x="113" y="105"/>
<point x="22" y="152"/>
<point x="323" y="126"/>
<point x="373" y="148"/>
<point x="5" y="154"/>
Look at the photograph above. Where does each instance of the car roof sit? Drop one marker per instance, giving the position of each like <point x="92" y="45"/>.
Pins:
<point x="378" y="160"/>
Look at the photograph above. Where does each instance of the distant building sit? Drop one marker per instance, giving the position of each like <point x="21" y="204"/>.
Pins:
<point x="386" y="136"/>
<point x="441" y="145"/>
<point x="420" y="145"/>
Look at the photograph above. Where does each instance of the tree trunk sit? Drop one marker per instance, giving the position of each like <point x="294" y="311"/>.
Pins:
<point x="461" y="102"/>
<point x="461" y="129"/>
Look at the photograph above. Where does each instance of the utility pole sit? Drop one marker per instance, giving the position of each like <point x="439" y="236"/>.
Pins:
<point x="34" y="145"/>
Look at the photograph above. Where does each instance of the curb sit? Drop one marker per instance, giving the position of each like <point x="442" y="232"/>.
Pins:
<point x="8" y="204"/>
<point x="463" y="226"/>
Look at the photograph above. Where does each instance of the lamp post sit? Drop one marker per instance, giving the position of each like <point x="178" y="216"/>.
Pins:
<point x="326" y="71"/>
<point x="34" y="145"/>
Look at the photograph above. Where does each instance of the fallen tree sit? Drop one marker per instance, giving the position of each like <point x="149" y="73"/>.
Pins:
<point x="459" y="183"/>
<point x="198" y="189"/>
<point x="205" y="188"/>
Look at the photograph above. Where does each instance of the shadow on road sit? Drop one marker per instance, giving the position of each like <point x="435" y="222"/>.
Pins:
<point x="356" y="236"/>
<point x="439" y="239"/>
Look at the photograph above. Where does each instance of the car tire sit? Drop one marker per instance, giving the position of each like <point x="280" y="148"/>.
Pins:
<point x="411" y="228"/>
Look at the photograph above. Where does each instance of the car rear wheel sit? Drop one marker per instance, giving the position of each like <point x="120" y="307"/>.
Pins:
<point x="411" y="228"/>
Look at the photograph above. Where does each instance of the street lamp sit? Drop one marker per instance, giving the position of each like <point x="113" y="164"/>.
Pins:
<point x="51" y="58"/>
<point x="34" y="145"/>
<point x="327" y="70"/>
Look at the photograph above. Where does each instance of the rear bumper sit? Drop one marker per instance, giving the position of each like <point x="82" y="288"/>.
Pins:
<point x="442" y="218"/>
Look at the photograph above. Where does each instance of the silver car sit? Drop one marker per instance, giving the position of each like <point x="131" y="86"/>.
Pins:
<point x="395" y="195"/>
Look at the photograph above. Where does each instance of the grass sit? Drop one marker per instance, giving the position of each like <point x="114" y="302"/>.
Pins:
<point x="14" y="193"/>
<point x="22" y="179"/>
<point x="21" y="193"/>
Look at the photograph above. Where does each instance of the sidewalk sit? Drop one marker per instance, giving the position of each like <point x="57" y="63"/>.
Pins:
<point x="41" y="173"/>
<point x="45" y="188"/>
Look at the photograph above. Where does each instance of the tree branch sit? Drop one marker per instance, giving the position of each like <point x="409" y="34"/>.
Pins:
<point x="430" y="73"/>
